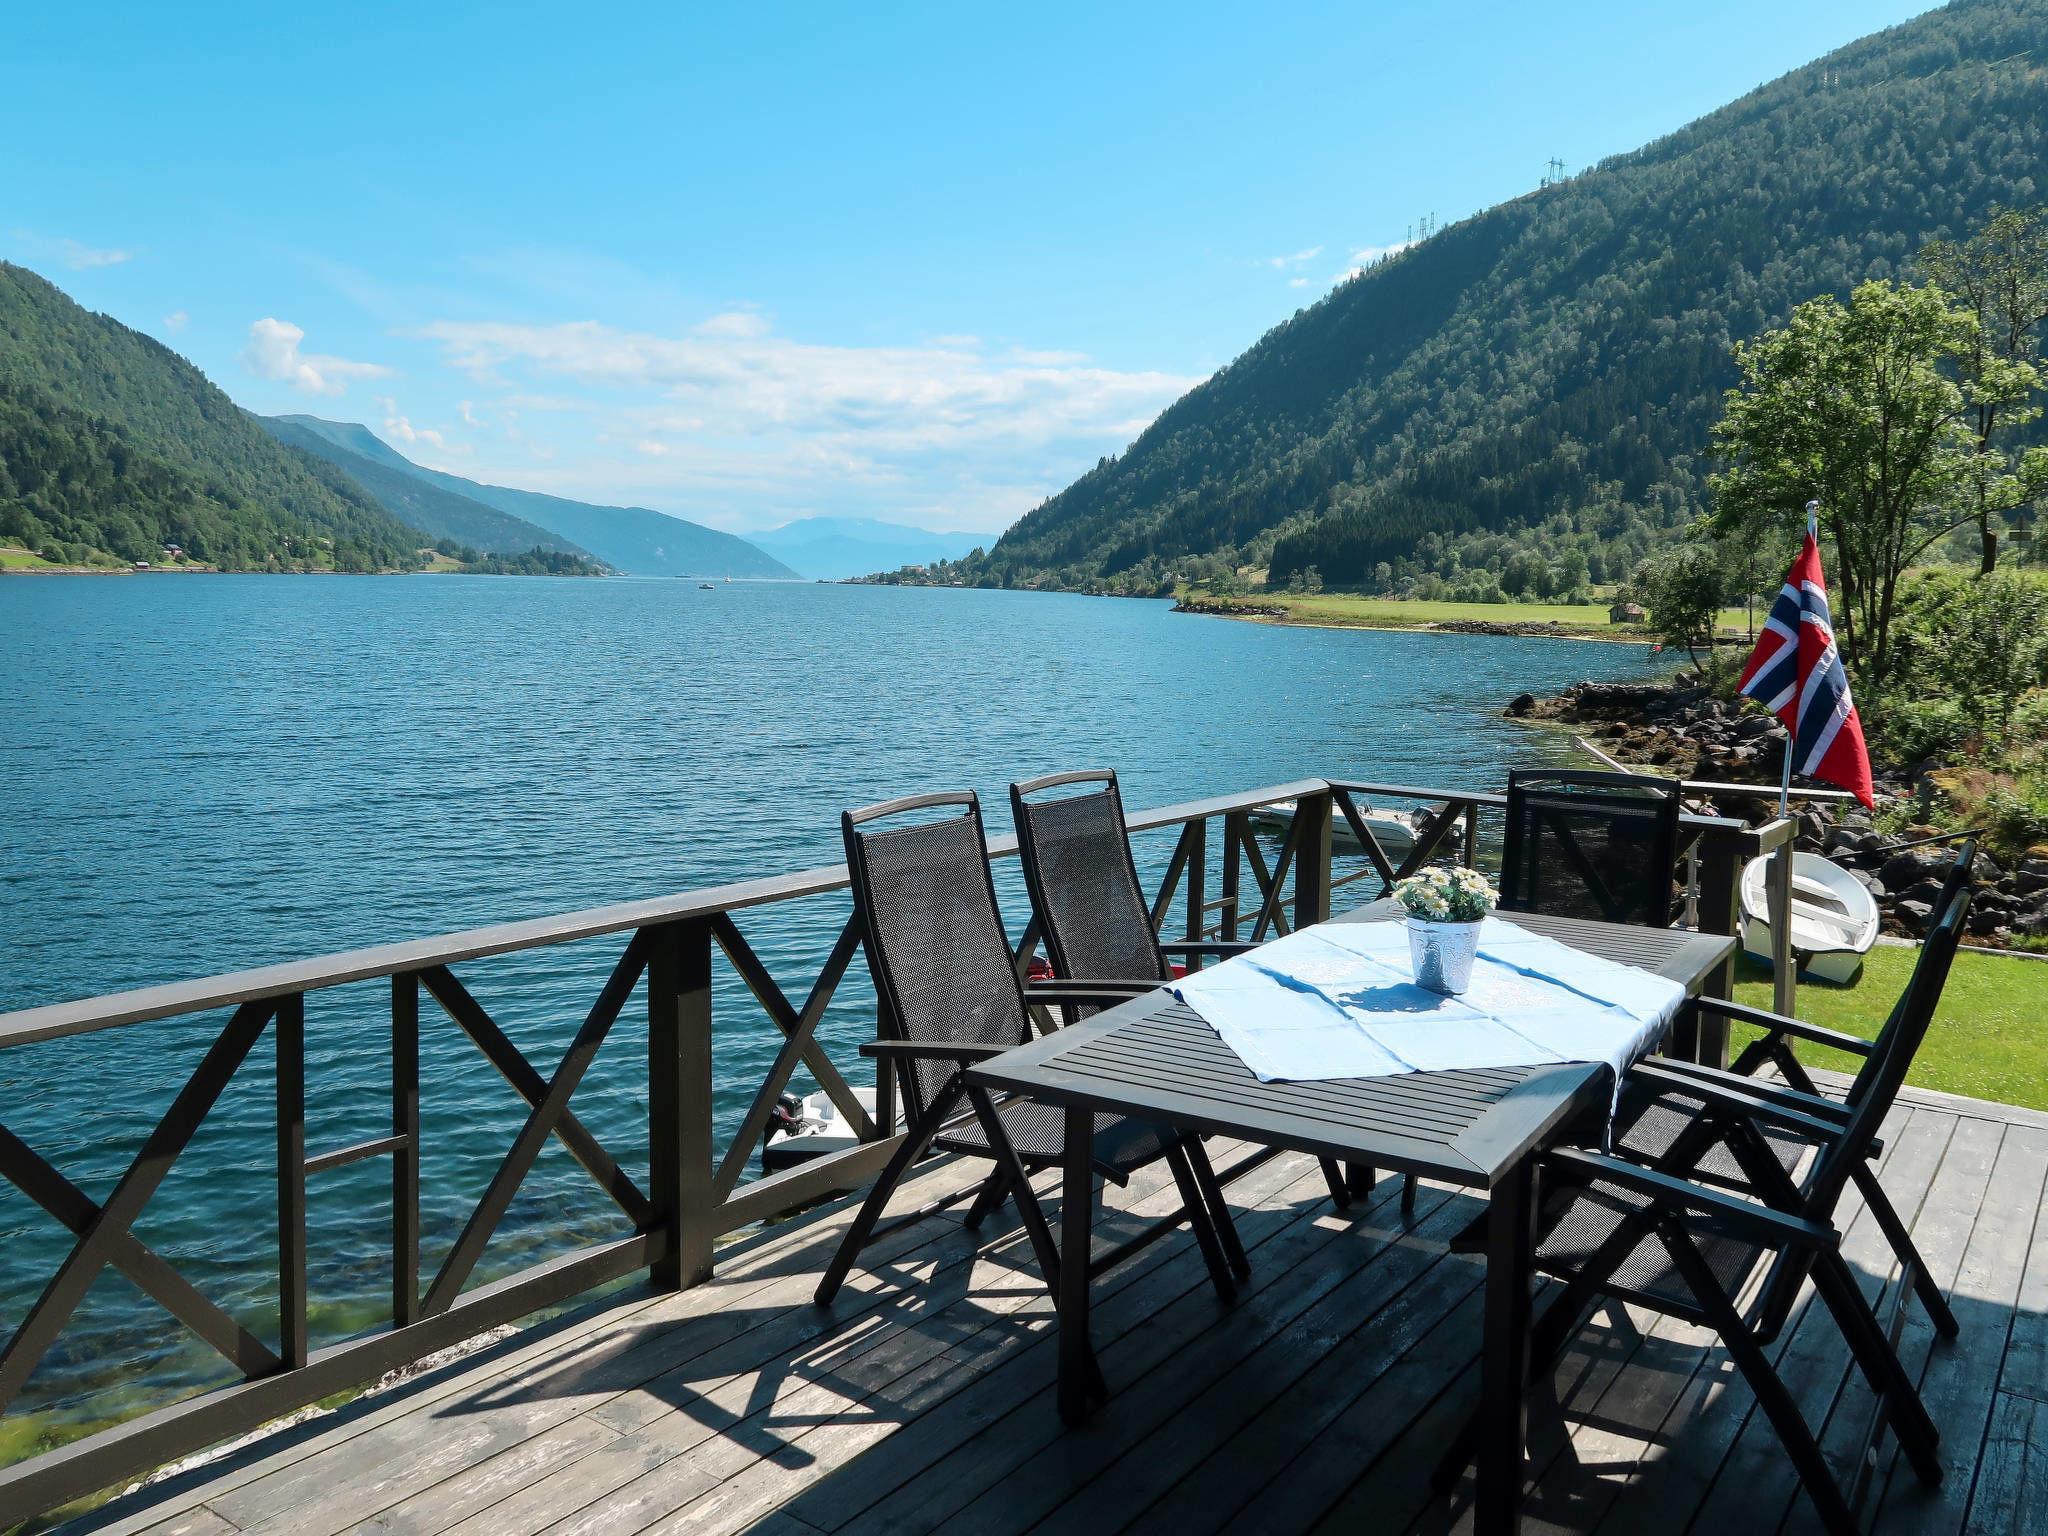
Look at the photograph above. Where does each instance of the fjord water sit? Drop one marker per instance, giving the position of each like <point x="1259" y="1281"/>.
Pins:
<point x="207" y="774"/>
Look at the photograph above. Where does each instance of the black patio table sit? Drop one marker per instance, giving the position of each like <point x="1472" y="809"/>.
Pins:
<point x="1156" y="1059"/>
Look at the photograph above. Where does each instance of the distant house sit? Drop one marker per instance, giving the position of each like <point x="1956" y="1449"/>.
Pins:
<point x="142" y="565"/>
<point x="1626" y="613"/>
<point x="174" y="551"/>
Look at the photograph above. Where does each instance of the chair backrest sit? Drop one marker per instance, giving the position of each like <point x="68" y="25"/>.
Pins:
<point x="1084" y="886"/>
<point x="1877" y="1086"/>
<point x="1591" y="844"/>
<point x="1897" y="1023"/>
<point x="933" y="933"/>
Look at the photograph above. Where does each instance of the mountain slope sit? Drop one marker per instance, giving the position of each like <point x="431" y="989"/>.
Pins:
<point x="1541" y="378"/>
<point x="636" y="540"/>
<point x="830" y="548"/>
<point x="440" y="513"/>
<point x="109" y="441"/>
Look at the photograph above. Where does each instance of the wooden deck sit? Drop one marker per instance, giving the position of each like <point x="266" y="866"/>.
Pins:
<point x="924" y="1398"/>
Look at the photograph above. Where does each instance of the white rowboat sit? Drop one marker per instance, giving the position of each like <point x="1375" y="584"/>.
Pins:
<point x="1834" y="919"/>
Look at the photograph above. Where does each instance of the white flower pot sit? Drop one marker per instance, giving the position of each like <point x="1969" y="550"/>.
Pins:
<point x="1442" y="954"/>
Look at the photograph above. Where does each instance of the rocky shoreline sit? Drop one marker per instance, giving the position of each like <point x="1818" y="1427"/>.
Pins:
<point x="1680" y="730"/>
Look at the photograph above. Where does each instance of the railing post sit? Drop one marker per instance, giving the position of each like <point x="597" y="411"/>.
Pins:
<point x="1195" y="886"/>
<point x="1784" y="967"/>
<point x="679" y="1098"/>
<point x="1234" y="825"/>
<point x="290" y="1028"/>
<point x="1720" y="911"/>
<point x="1469" y="855"/>
<point x="405" y="1157"/>
<point x="1312" y="814"/>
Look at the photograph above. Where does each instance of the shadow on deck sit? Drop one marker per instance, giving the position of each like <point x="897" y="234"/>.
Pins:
<point x="923" y="1398"/>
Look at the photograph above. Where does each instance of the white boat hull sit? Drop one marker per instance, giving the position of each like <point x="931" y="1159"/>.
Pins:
<point x="822" y="1132"/>
<point x="1834" y="919"/>
<point x="1389" y="829"/>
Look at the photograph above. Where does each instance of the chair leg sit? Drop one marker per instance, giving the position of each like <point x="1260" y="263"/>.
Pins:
<point x="1197" y="1213"/>
<point x="995" y="1189"/>
<point x="1018" y="1182"/>
<point x="1408" y="1183"/>
<point x="1219" y="1211"/>
<point x="1895" y="1233"/>
<point x="1340" y="1191"/>
<point x="912" y="1148"/>
<point x="1918" y="1436"/>
<point x="1764" y="1381"/>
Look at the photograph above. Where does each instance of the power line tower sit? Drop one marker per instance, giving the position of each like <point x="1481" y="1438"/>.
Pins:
<point x="1553" y="171"/>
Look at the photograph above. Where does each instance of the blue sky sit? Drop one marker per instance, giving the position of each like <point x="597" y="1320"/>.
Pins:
<point x="752" y="263"/>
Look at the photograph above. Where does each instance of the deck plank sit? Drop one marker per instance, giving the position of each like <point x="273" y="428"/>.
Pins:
<point x="923" y="1399"/>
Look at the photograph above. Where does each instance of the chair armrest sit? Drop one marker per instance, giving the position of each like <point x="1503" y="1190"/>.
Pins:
<point x="1716" y="1097"/>
<point x="1775" y="1093"/>
<point x="1780" y="1024"/>
<point x="930" y="1050"/>
<point x="1739" y="1218"/>
<point x="1100" y="993"/>
<point x="1208" y="946"/>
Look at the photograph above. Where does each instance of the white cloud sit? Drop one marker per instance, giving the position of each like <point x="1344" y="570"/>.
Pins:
<point x="397" y="425"/>
<point x="1366" y="255"/>
<point x="882" y="399"/>
<point x="1297" y="282"/>
<point x="273" y="353"/>
<point x="1299" y="258"/>
<point x="175" y="320"/>
<point x="469" y="415"/>
<point x="741" y="323"/>
<point x="75" y="254"/>
<point x="730" y="422"/>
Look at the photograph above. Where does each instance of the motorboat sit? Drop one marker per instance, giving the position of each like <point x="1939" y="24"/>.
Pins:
<point x="1834" y="918"/>
<point x="1390" y="829"/>
<point x="801" y="1128"/>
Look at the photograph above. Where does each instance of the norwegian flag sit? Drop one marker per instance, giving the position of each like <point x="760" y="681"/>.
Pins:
<point x="1796" y="673"/>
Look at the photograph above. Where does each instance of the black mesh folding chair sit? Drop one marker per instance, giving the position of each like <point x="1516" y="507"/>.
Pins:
<point x="1591" y="844"/>
<point x="1655" y="1111"/>
<point x="1091" y="910"/>
<point x="949" y="996"/>
<point x="1649" y="1236"/>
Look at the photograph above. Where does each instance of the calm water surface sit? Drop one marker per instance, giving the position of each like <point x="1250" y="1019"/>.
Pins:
<point x="206" y="774"/>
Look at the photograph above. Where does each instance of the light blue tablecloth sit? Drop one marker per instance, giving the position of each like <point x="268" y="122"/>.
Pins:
<point x="1340" y="1000"/>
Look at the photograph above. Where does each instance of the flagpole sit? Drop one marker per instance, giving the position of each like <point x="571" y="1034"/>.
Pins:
<point x="1785" y="779"/>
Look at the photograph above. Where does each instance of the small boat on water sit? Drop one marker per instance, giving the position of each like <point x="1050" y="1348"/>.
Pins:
<point x="1834" y="919"/>
<point x="1390" y="829"/>
<point x="801" y="1128"/>
<point x="705" y="586"/>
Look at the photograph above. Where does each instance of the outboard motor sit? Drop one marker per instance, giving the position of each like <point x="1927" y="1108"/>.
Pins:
<point x="787" y="1116"/>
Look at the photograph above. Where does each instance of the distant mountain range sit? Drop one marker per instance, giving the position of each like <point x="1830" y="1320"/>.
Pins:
<point x="832" y="548"/>
<point x="496" y="518"/>
<point x="1527" y="396"/>
<point x="112" y="447"/>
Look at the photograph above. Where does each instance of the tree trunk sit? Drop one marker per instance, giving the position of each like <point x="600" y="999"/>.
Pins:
<point x="1988" y="559"/>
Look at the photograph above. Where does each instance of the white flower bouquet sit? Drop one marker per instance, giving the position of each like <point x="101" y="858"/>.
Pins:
<point x="1447" y="895"/>
<point x="1445" y="908"/>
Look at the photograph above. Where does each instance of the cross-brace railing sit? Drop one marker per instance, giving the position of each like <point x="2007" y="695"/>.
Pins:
<point x="696" y="1192"/>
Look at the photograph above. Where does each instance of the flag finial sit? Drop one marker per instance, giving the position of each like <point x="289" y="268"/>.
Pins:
<point x="1813" y="519"/>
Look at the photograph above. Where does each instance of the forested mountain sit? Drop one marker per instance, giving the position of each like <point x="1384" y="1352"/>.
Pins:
<point x="636" y="540"/>
<point x="406" y="494"/>
<point x="112" y="443"/>
<point x="1528" y="393"/>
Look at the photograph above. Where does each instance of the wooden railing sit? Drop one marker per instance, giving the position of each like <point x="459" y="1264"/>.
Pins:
<point x="695" y="1192"/>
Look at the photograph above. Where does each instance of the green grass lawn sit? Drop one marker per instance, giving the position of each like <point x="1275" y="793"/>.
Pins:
<point x="1342" y="608"/>
<point x="15" y="559"/>
<point x="1990" y="1035"/>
